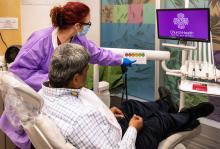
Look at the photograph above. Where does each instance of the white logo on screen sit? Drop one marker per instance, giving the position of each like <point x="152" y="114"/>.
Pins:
<point x="181" y="21"/>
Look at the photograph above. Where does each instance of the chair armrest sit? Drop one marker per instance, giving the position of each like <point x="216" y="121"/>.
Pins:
<point x="179" y="137"/>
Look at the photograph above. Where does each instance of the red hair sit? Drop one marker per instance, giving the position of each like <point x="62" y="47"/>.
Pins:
<point x="70" y="14"/>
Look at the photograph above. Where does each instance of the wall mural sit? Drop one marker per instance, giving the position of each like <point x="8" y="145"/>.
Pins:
<point x="131" y="24"/>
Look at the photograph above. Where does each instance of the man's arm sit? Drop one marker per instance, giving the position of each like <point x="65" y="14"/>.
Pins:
<point x="94" y="131"/>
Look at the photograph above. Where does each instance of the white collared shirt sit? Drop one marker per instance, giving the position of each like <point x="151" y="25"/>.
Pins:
<point x="84" y="120"/>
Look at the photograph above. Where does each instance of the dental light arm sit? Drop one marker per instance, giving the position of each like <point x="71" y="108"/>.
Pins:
<point x="149" y="55"/>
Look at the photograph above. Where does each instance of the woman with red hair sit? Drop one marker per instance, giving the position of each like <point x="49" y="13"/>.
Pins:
<point x="70" y="22"/>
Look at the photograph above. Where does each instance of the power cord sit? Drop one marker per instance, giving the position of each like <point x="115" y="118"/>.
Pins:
<point x="3" y="40"/>
<point x="125" y="86"/>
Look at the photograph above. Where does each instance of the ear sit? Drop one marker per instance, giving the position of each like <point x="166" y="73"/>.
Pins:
<point x="75" y="81"/>
<point x="78" y="26"/>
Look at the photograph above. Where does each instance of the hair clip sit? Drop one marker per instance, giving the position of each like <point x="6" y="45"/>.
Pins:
<point x="60" y="19"/>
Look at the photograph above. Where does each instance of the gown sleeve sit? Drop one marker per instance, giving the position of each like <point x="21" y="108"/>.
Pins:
<point x="30" y="64"/>
<point x="99" y="55"/>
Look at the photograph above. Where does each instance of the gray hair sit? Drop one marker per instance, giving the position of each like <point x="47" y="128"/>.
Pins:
<point x="68" y="59"/>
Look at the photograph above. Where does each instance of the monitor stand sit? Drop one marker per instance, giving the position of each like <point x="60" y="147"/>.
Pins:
<point x="181" y="45"/>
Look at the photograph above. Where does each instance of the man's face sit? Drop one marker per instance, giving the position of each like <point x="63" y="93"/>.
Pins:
<point x="82" y="77"/>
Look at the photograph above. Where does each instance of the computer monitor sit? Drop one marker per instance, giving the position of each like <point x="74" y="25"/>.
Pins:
<point x="184" y="24"/>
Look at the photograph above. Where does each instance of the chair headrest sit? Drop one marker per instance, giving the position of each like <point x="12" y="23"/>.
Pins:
<point x="11" y="81"/>
<point x="20" y="100"/>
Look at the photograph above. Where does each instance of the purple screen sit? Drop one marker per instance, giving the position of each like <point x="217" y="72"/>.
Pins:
<point x="185" y="24"/>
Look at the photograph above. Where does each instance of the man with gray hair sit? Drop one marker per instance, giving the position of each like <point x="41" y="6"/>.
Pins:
<point x="87" y="123"/>
<point x="69" y="60"/>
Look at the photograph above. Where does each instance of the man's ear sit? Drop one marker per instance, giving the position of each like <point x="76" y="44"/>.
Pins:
<point x="75" y="81"/>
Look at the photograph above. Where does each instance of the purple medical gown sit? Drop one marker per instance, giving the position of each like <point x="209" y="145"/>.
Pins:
<point x="31" y="65"/>
<point x="32" y="62"/>
<point x="18" y="137"/>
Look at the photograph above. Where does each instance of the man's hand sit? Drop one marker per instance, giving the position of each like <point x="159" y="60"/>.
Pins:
<point x="117" y="112"/>
<point x="136" y="121"/>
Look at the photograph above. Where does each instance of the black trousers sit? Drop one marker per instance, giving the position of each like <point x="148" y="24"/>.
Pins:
<point x="158" y="123"/>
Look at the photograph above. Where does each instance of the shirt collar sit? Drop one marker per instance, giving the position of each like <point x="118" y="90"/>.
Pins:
<point x="59" y="91"/>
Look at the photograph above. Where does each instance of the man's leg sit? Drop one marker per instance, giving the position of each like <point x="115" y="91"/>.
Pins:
<point x="164" y="104"/>
<point x="159" y="126"/>
<point x="143" y="109"/>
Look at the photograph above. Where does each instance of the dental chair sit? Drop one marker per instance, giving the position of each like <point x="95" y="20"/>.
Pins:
<point x="23" y="106"/>
<point x="23" y="109"/>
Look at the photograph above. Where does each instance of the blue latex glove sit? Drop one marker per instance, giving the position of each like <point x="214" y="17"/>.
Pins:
<point x="127" y="62"/>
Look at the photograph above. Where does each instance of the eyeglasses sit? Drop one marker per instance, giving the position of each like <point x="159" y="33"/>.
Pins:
<point x="89" y="23"/>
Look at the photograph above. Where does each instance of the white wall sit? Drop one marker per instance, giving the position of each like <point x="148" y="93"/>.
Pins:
<point x="35" y="15"/>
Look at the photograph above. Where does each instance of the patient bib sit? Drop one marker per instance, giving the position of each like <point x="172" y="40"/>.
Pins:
<point x="90" y="98"/>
